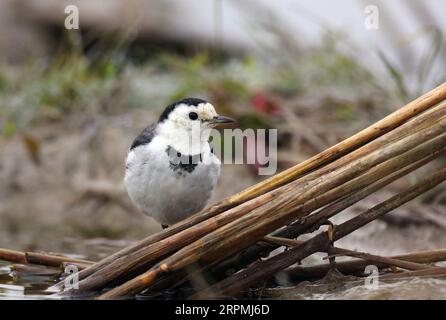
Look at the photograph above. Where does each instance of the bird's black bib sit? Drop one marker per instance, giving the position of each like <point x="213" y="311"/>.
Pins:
<point x="182" y="164"/>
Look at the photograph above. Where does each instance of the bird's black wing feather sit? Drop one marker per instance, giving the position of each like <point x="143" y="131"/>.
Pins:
<point x="145" y="136"/>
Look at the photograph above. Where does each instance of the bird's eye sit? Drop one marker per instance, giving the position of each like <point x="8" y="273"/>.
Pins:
<point x="193" y="116"/>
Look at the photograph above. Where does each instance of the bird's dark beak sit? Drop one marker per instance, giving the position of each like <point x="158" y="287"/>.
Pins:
<point x="222" y="119"/>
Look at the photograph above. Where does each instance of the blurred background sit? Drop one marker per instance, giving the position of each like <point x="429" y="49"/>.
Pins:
<point x="72" y="101"/>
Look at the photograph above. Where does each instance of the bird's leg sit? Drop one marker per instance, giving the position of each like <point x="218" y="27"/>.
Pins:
<point x="164" y="226"/>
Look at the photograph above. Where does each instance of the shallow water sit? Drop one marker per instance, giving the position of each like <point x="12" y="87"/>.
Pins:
<point x="376" y="238"/>
<point x="33" y="285"/>
<point x="13" y="287"/>
<point x="353" y="288"/>
<point x="350" y="288"/>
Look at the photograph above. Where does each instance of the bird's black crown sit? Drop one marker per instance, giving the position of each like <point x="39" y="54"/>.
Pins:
<point x="186" y="101"/>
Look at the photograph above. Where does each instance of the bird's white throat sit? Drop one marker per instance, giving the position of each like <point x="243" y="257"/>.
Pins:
<point x="185" y="140"/>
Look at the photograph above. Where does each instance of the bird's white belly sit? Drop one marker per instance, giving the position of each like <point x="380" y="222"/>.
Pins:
<point x="167" y="195"/>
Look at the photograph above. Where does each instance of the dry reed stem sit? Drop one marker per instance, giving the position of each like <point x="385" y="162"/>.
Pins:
<point x="336" y="251"/>
<point x="39" y="258"/>
<point x="281" y="201"/>
<point x="222" y="242"/>
<point x="260" y="270"/>
<point x="299" y="273"/>
<point x="314" y="221"/>
<point x="372" y="132"/>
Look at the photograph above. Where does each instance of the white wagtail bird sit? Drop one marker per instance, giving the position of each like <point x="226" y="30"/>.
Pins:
<point x="170" y="173"/>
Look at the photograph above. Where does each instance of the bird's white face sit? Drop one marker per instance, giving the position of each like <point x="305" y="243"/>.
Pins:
<point x="187" y="117"/>
<point x="187" y="127"/>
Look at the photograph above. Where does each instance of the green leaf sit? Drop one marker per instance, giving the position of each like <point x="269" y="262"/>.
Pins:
<point x="9" y="128"/>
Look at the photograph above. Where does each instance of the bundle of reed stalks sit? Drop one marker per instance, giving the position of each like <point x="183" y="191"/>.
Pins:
<point x="222" y="245"/>
<point x="41" y="263"/>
